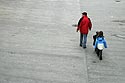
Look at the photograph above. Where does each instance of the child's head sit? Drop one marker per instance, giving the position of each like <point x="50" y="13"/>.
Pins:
<point x="97" y="32"/>
<point x="101" y="33"/>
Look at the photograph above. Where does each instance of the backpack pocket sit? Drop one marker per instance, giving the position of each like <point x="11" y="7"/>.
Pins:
<point x="100" y="46"/>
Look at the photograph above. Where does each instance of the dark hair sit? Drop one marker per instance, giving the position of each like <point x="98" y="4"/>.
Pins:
<point x="101" y="33"/>
<point x="97" y="32"/>
<point x="84" y="13"/>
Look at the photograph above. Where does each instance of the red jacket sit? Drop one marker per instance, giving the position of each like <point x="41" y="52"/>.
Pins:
<point x="85" y="25"/>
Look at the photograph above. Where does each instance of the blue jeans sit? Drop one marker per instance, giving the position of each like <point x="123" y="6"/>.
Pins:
<point x="83" y="40"/>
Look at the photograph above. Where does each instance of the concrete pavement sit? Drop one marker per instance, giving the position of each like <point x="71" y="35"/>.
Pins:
<point x="39" y="45"/>
<point x="108" y="16"/>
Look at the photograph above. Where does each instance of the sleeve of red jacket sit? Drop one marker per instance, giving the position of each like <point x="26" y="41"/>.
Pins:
<point x="78" y="28"/>
<point x="79" y="23"/>
<point x="90" y="24"/>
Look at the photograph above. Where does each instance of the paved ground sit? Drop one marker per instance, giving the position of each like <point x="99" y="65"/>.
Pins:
<point x="39" y="45"/>
<point x="108" y="16"/>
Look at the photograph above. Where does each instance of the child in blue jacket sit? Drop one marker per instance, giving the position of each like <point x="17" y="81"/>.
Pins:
<point x="100" y="40"/>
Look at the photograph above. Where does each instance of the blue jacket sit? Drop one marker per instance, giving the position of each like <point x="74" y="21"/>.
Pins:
<point x="100" y="40"/>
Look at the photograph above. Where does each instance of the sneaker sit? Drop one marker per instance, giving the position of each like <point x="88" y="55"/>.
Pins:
<point x="84" y="47"/>
<point x="80" y="45"/>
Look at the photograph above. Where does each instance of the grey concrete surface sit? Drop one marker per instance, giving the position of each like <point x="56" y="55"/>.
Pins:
<point x="108" y="16"/>
<point x="39" y="45"/>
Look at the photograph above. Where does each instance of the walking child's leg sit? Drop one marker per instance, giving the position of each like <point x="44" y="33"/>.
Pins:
<point x="97" y="52"/>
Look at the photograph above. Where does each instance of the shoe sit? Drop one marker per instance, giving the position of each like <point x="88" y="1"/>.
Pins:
<point x="84" y="47"/>
<point x="80" y="45"/>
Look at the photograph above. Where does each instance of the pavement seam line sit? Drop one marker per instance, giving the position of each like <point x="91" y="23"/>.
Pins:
<point x="86" y="69"/>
